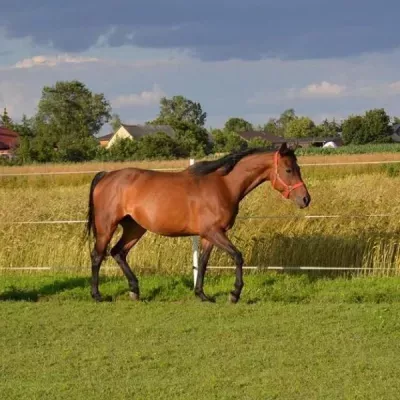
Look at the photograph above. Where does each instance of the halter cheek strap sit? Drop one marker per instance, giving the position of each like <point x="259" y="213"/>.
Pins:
<point x="288" y="188"/>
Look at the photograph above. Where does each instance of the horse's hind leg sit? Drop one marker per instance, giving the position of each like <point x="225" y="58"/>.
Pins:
<point x="98" y="254"/>
<point x="130" y="236"/>
<point x="204" y="257"/>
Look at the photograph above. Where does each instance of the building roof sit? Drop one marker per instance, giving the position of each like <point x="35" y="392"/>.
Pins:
<point x="248" y="135"/>
<point x="138" y="131"/>
<point x="318" y="139"/>
<point x="396" y="128"/>
<point x="105" y="137"/>
<point x="8" y="138"/>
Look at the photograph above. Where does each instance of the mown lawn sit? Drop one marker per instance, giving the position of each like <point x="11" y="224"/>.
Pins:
<point x="291" y="337"/>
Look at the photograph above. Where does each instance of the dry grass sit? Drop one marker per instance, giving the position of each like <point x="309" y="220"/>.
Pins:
<point x="179" y="164"/>
<point x="348" y="241"/>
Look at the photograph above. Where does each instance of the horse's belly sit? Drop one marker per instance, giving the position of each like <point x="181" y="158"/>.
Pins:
<point x="168" y="214"/>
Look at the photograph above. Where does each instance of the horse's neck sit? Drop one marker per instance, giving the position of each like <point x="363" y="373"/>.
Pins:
<point x="249" y="173"/>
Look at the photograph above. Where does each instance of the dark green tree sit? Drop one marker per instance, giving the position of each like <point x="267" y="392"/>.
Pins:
<point x="327" y="129"/>
<point x="69" y="115"/>
<point x="301" y="127"/>
<point x="157" y="146"/>
<point x="352" y="129"/>
<point x="5" y="120"/>
<point x="237" y="125"/>
<point x="115" y="122"/>
<point x="179" y="108"/>
<point x="226" y="142"/>
<point x="122" y="150"/>
<point x="376" y="127"/>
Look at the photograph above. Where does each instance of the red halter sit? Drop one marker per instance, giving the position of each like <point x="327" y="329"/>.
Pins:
<point x="288" y="188"/>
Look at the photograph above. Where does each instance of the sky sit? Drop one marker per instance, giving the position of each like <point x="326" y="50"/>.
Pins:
<point x="254" y="59"/>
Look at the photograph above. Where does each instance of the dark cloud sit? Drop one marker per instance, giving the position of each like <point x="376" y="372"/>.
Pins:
<point x="211" y="29"/>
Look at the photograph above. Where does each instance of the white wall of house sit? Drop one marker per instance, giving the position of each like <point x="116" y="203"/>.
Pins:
<point x="121" y="133"/>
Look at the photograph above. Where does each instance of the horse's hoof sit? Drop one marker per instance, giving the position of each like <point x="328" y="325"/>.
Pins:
<point x="134" y="296"/>
<point x="204" y="297"/>
<point x="97" y="298"/>
<point x="233" y="298"/>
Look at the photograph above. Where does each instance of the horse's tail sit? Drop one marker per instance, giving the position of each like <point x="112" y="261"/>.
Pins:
<point x="90" y="225"/>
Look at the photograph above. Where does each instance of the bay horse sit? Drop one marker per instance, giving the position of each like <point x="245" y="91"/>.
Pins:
<point x="202" y="200"/>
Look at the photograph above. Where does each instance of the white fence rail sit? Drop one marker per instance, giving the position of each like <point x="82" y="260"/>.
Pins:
<point x="195" y="239"/>
<point x="180" y="169"/>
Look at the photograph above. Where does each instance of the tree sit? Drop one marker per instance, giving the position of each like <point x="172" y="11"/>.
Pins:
<point x="373" y="127"/>
<point x="26" y="133"/>
<point x="352" y="128"/>
<point x="327" y="129"/>
<point x="115" y="122"/>
<point x="272" y="126"/>
<point x="259" y="142"/>
<point x="179" y="108"/>
<point x="286" y="117"/>
<point x="69" y="114"/>
<point x="226" y="142"/>
<point x="300" y="128"/>
<point x="6" y="120"/>
<point x="70" y="108"/>
<point x="278" y="126"/>
<point x="376" y="127"/>
<point x="237" y="125"/>
<point x="192" y="139"/>
<point x="123" y="149"/>
<point x="158" y="146"/>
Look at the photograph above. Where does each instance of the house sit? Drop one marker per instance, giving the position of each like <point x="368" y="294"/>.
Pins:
<point x="138" y="131"/>
<point x="276" y="141"/>
<point x="333" y="142"/>
<point x="8" y="142"/>
<point x="103" y="140"/>
<point x="396" y="133"/>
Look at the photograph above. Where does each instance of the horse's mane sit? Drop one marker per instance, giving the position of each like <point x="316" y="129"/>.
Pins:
<point x="228" y="162"/>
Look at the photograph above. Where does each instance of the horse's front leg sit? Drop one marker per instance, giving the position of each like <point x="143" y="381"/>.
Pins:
<point x="204" y="257"/>
<point x="219" y="239"/>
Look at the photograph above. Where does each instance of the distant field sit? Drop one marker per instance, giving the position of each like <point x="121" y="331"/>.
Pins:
<point x="290" y="338"/>
<point x="315" y="157"/>
<point x="346" y="190"/>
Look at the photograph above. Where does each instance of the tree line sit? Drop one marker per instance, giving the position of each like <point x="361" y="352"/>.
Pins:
<point x="69" y="116"/>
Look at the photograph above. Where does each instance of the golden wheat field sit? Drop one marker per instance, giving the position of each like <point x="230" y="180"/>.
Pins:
<point x="283" y="238"/>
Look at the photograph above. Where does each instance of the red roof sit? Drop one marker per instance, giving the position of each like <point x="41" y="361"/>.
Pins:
<point x="8" y="138"/>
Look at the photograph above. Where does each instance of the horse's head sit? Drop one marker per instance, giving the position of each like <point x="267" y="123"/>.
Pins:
<point x="286" y="177"/>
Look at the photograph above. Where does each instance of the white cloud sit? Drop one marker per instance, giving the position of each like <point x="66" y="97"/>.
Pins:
<point x="323" y="89"/>
<point x="53" y="61"/>
<point x="143" y="99"/>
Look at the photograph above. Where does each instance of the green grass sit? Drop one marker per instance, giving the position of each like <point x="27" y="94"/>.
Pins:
<point x="292" y="337"/>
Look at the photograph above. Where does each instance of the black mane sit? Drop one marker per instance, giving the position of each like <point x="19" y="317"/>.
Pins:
<point x="229" y="161"/>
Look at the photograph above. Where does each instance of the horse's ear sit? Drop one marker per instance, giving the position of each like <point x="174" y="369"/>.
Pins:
<point x="283" y="149"/>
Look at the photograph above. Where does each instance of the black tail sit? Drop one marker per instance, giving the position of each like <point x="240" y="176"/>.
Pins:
<point x="90" y="222"/>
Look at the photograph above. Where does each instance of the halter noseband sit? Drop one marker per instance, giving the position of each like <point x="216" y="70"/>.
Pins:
<point x="288" y="188"/>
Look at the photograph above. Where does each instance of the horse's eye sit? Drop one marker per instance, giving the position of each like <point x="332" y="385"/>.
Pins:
<point x="289" y="171"/>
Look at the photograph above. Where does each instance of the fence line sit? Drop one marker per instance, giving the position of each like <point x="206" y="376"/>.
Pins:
<point x="219" y="267"/>
<point x="195" y="239"/>
<point x="181" y="169"/>
<point x="50" y="222"/>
